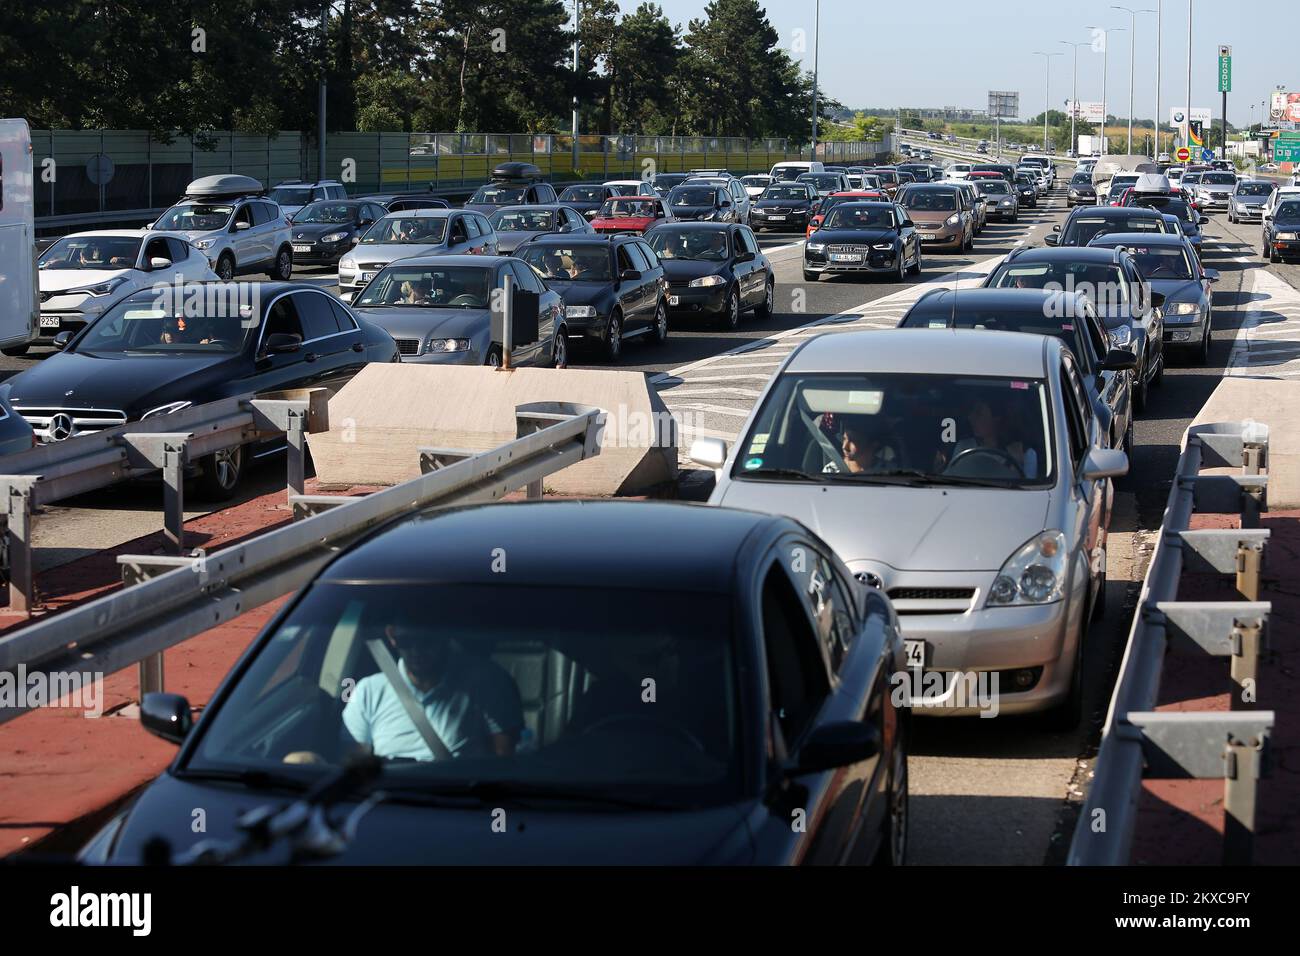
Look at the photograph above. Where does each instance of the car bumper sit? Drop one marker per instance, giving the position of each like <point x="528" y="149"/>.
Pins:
<point x="1248" y="213"/>
<point x="943" y="235"/>
<point x="69" y="321"/>
<point x="883" y="262"/>
<point x="1002" y="212"/>
<point x="468" y="357"/>
<point x="1190" y="333"/>
<point x="707" y="299"/>
<point x="320" y="255"/>
<point x="1285" y="247"/>
<point x="794" y="220"/>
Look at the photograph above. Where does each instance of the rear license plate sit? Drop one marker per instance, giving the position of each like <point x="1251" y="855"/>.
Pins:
<point x="674" y="300"/>
<point x="50" y="322"/>
<point x="845" y="257"/>
<point x="367" y="276"/>
<point x="914" y="653"/>
<point x="302" y="248"/>
<point x="927" y="235"/>
<point x="776" y="218"/>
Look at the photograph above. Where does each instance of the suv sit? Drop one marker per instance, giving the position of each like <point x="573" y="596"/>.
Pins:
<point x="232" y="222"/>
<point x="419" y="232"/>
<point x="293" y="194"/>
<point x="501" y="192"/>
<point x="734" y="188"/>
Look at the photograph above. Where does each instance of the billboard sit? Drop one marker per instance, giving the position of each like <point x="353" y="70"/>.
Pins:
<point x="1004" y="104"/>
<point x="1083" y="110"/>
<point x="1285" y="107"/>
<point x="1178" y="116"/>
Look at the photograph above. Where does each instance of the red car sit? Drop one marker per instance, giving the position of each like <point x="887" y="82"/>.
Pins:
<point x="630" y="214"/>
<point x="834" y="199"/>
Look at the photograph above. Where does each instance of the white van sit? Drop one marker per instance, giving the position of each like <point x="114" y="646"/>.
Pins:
<point x="783" y="172"/>
<point x="19" y="305"/>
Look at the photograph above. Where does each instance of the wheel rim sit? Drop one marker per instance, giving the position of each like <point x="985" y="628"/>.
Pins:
<point x="771" y="297"/>
<point x="560" y="351"/>
<point x="898" y="822"/>
<point x="225" y="270"/>
<point x="661" y="321"/>
<point x="733" y="310"/>
<point x="226" y="464"/>
<point x="615" y="336"/>
<point x="494" y="359"/>
<point x="284" y="264"/>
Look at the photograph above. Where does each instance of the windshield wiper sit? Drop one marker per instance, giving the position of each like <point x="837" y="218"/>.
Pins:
<point x="783" y="473"/>
<point x="488" y="790"/>
<point x="914" y="477"/>
<point x="252" y="778"/>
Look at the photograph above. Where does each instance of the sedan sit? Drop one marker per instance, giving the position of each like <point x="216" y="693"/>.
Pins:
<point x="1248" y="199"/>
<point x="702" y="202"/>
<point x="964" y="472"/>
<point x="322" y="232"/>
<point x="587" y="198"/>
<point x="515" y="225"/>
<point x="630" y="214"/>
<point x="159" y="351"/>
<point x="439" y="311"/>
<point x="785" y="206"/>
<point x="863" y="237"/>
<point x="1003" y="202"/>
<point x="715" y="270"/>
<point x="771" y="672"/>
<point x="1282" y="231"/>
<point x="835" y="199"/>
<point x="420" y="232"/>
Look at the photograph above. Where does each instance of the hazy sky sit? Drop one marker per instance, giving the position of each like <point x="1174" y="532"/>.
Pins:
<point x="932" y="53"/>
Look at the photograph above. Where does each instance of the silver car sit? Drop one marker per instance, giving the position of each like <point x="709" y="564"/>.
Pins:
<point x="1248" y="199"/>
<point x="416" y="232"/>
<point x="963" y="473"/>
<point x="239" y="230"/>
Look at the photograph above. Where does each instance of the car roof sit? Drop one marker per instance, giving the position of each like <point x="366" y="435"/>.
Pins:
<point x="588" y="238"/>
<point x="924" y="351"/>
<point x="1115" y="212"/>
<point x="1086" y="254"/>
<point x="621" y="182"/>
<point x="1113" y="239"/>
<point x="534" y="207"/>
<point x="461" y="260"/>
<point x="121" y="233"/>
<point x="618" y="544"/>
<point x="689" y="225"/>
<point x="437" y="212"/>
<point x="1005" y="300"/>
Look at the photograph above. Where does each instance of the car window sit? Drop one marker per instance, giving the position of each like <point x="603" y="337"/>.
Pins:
<point x="638" y="259"/>
<point x="282" y="319"/>
<point x="652" y="260"/>
<point x="1075" y="430"/>
<point x="342" y="317"/>
<point x="315" y="315"/>
<point x="458" y="230"/>
<point x="157" y="249"/>
<point x="746" y="239"/>
<point x="527" y="278"/>
<point x="179" y="250"/>
<point x="471" y="224"/>
<point x="1080" y="392"/>
<point x="827" y="598"/>
<point x="796" y="677"/>
<point x="245" y="213"/>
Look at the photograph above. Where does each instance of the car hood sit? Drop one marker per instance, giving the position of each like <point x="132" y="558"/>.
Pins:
<point x="682" y="269"/>
<point x="420" y="321"/>
<point x="692" y="212"/>
<point x="855" y="235"/>
<point x="1250" y="200"/>
<point x="314" y="230"/>
<point x="583" y="293"/>
<point x="782" y="204"/>
<point x="1285" y="225"/>
<point x="391" y="251"/>
<point x="908" y="529"/>
<point x="56" y="280"/>
<point x="508" y="242"/>
<point x="394" y="833"/>
<point x="133" y="383"/>
<point x="194" y="235"/>
<point x="1178" y="290"/>
<point x="930" y="216"/>
<point x="623" y="222"/>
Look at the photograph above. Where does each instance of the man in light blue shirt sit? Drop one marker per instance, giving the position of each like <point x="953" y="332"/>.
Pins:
<point x="472" y="704"/>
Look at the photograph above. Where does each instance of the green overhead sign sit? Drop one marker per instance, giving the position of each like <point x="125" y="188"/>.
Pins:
<point x="1288" y="152"/>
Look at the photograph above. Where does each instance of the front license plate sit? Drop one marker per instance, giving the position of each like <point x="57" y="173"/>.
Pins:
<point x="674" y="300"/>
<point x="367" y="276"/>
<point x="927" y="235"/>
<point x="845" y="257"/>
<point x="302" y="248"/>
<point x="50" y="322"/>
<point x="914" y="653"/>
<point x="776" y="218"/>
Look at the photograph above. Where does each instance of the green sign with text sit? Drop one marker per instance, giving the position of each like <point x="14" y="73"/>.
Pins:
<point x="1225" y="69"/>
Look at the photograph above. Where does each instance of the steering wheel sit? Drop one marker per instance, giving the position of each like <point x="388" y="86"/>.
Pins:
<point x="675" y="729"/>
<point x="998" y="453"/>
<point x="464" y="299"/>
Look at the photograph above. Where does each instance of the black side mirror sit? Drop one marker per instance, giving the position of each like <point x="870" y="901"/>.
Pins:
<point x="62" y="339"/>
<point x="744" y="257"/>
<point x="1052" y="239"/>
<point x="280" y="343"/>
<point x="1157" y="299"/>
<point x="1119" y="360"/>
<point x="836" y="745"/>
<point x="630" y="275"/>
<point x="166" y="716"/>
<point x="1204" y="220"/>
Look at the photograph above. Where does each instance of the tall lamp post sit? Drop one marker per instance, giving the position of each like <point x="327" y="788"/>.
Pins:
<point x="1074" y="107"/>
<point x="817" y="38"/>
<point x="1105" y="65"/>
<point x="1132" y="62"/>
<point x="1047" y="89"/>
<point x="577" y="14"/>
<point x="1160" y="18"/>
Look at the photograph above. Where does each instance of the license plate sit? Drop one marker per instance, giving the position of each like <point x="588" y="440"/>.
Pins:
<point x="302" y="248"/>
<point x="776" y="218"/>
<point x="50" y="322"/>
<point x="914" y="653"/>
<point x="674" y="300"/>
<point x="926" y="235"/>
<point x="367" y="276"/>
<point x="845" y="257"/>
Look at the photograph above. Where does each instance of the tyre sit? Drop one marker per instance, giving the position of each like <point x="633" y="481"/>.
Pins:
<point x="493" y="358"/>
<point x="283" y="264"/>
<point x="810" y="276"/>
<point x="16" y="350"/>
<point x="893" y="836"/>
<point x="765" y="309"/>
<point x="1158" y="380"/>
<point x="614" y="338"/>
<point x="1203" y="353"/>
<point x="902" y="266"/>
<point x="222" y="472"/>
<point x="225" y="269"/>
<point x="560" y="348"/>
<point x="1140" y="386"/>
<point x="659" y="330"/>
<point x="730" y="317"/>
<point x="916" y="266"/>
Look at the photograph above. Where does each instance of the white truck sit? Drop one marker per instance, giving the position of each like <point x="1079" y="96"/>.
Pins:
<point x="19" y="300"/>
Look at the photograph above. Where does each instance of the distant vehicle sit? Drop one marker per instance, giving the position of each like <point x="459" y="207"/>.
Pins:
<point x="19" y="291"/>
<point x="403" y="202"/>
<point x="702" y="200"/>
<point x="826" y="182"/>
<point x="237" y="227"/>
<point x="632" y="187"/>
<point x="664" y="183"/>
<point x="513" y="184"/>
<point x="1268" y="167"/>
<point x="754" y="185"/>
<point x="732" y="187"/>
<point x="1248" y="199"/>
<point x="957" y="171"/>
<point x="421" y="232"/>
<point x="864" y="237"/>
<point x="795" y="169"/>
<point x="941" y="214"/>
<point x="1164" y="158"/>
<point x="983" y="146"/>
<point x="324" y="231"/>
<point x="1080" y="192"/>
<point x="785" y="205"/>
<point x="632" y="214"/>
<point x="1215" y="189"/>
<point x="1003" y="202"/>
<point x="835" y="199"/>
<point x="587" y="198"/>
<point x="1282" y="231"/>
<point x="714" y="269"/>
<point x="1186" y="217"/>
<point x="1027" y="189"/>
<point x="515" y="225"/>
<point x="292" y="194"/>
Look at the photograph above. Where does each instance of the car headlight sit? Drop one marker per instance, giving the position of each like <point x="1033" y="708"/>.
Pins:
<point x="334" y="237"/>
<point x="953" y="219"/>
<point x="1287" y="235"/>
<point x="579" y="312"/>
<point x="205" y="244"/>
<point x="101" y="288"/>
<point x="707" y="281"/>
<point x="1034" y="574"/>
<point x="816" y="247"/>
<point x="1182" y="308"/>
<point x="347" y="262"/>
<point x="166" y="409"/>
<point x="448" y="345"/>
<point x="1121" y="337"/>
<point x="884" y="246"/>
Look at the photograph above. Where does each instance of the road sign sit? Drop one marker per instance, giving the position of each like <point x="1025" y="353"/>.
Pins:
<point x="1183" y="154"/>
<point x="1286" y="153"/>
<point x="1004" y="104"/>
<point x="99" y="169"/>
<point x="1225" y="69"/>
<point x="1207" y="155"/>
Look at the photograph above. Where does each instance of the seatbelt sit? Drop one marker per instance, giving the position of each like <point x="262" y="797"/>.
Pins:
<point x="384" y="658"/>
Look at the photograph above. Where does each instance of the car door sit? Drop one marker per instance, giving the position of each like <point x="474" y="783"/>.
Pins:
<point x="487" y="234"/>
<point x="1112" y="388"/>
<point x="1151" y="318"/>
<point x="648" y="285"/>
<point x="1088" y="498"/>
<point x="248" y="245"/>
<point x="748" y="281"/>
<point x="334" y="351"/>
<point x="282" y="370"/>
<point x="906" y="233"/>
<point x="630" y="290"/>
<point x="534" y="353"/>
<point x="266" y="225"/>
<point x="656" y="284"/>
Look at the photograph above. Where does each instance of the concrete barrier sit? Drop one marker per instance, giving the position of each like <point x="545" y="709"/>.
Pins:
<point x="380" y="420"/>
<point x="1275" y="403"/>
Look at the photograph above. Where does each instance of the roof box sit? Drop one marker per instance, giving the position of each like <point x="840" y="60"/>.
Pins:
<point x="227" y="185"/>
<point x="1152" y="183"/>
<point x="516" y="172"/>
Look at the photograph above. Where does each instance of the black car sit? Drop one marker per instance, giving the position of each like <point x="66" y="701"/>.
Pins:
<point x="587" y="198"/>
<point x="404" y="202"/>
<point x="863" y="237"/>
<point x="323" y="231"/>
<point x="613" y="286"/>
<point x="1086" y="222"/>
<point x="1069" y="317"/>
<point x="151" y="354"/>
<point x="714" y="269"/>
<point x="742" y="711"/>
<point x="1081" y="191"/>
<point x="1282" y="231"/>
<point x="664" y="183"/>
<point x="1111" y="280"/>
<point x="516" y="225"/>
<point x="1027" y="190"/>
<point x="510" y="192"/>
<point x="786" y="207"/>
<point x="923" y="172"/>
<point x="701" y="202"/>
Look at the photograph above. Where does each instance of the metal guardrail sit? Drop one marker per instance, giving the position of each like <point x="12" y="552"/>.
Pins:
<point x="1137" y="741"/>
<point x="166" y="443"/>
<point x="170" y="599"/>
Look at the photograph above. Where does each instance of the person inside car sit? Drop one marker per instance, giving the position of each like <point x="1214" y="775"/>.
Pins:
<point x="417" y="292"/>
<point x="864" y="445"/>
<point x="993" y="426"/>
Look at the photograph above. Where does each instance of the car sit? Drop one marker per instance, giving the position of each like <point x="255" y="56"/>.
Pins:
<point x="1189" y="184"/>
<point x="631" y="214"/>
<point x="1068" y="316"/>
<point x="978" y="204"/>
<point x="438" y="309"/>
<point x="82" y="275"/>
<point x="922" y="171"/>
<point x="613" y="285"/>
<point x="756" y="185"/>
<point x="293" y="194"/>
<point x="1186" y="219"/>
<point x="323" y="231"/>
<point x="1164" y="158"/>
<point x="826" y="182"/>
<point x="702" y="201"/>
<point x="1222" y="164"/>
<point x="793" y="169"/>
<point x="1005" y="170"/>
<point x="834" y="199"/>
<point x="1171" y="268"/>
<point x="515" y="225"/>
<point x="1282" y="231"/>
<point x="983" y="146"/>
<point x="586" y="198"/>
<point x="1215" y="189"/>
<point x="1109" y="192"/>
<point x="1279" y="194"/>
<point x="1268" y="167"/>
<point x="715" y="270"/>
<point x="935" y="136"/>
<point x="1175" y="173"/>
<point x="1027" y="190"/>
<point x="1002" y="201"/>
<point x="1081" y="191"/>
<point x="1248" y="199"/>
<point x="734" y="190"/>
<point x="888" y="178"/>
<point x="785" y="206"/>
<point x="15" y="436"/>
<point x="420" y="232"/>
<point x="238" y="228"/>
<point x="631" y="187"/>
<point x="863" y="237"/>
<point x="157" y="352"/>
<point x="663" y="183"/>
<point x="513" y="184"/>
<point x="962" y="470"/>
<point x="773" y="669"/>
<point x="1111" y="280"/>
<point x="1084" y="222"/>
<point x="404" y="202"/>
<point x="941" y="213"/>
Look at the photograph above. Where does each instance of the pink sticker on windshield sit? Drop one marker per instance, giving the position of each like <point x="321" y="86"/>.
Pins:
<point x="1020" y="385"/>
<point x="1067" y="327"/>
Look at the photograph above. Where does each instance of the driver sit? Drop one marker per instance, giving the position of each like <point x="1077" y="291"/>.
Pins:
<point x="993" y="426"/>
<point x="175" y="332"/>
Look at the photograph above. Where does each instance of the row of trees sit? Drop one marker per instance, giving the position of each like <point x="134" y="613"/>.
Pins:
<point x="401" y="65"/>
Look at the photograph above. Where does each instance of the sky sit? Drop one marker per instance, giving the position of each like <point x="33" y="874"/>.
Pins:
<point x="940" y="53"/>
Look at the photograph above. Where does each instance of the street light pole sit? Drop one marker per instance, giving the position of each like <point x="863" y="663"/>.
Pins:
<point x="577" y="13"/>
<point x="320" y="98"/>
<point x="1187" y="139"/>
<point x="1074" y="104"/>
<point x="1160" y="16"/>
<point x="1105" y="66"/>
<point x="1047" y="89"/>
<point x="817" y="39"/>
<point x="1132" y="63"/>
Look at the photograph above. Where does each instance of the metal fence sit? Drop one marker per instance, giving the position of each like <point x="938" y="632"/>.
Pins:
<point x="1139" y="742"/>
<point x="116" y="175"/>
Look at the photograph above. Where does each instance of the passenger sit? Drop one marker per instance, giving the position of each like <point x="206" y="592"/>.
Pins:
<point x="864" y="445"/>
<point x="175" y="331"/>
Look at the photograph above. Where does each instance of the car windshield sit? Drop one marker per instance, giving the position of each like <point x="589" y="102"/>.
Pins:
<point x="1102" y="283"/>
<point x="335" y="212"/>
<point x="625" y="208"/>
<point x="196" y="217"/>
<point x="759" y="182"/>
<point x="1254" y="189"/>
<point x="1160" y="262"/>
<point x="692" y="196"/>
<point x="929" y="200"/>
<point x="987" y="186"/>
<point x="820" y="181"/>
<point x="495" y="194"/>
<point x="853" y="216"/>
<point x="165" y="321"/>
<point x="1083" y="229"/>
<point x="578" y="263"/>
<point x="437" y="287"/>
<point x="988" y="431"/>
<point x="626" y="189"/>
<point x="519" y="220"/>
<point x="583" y="194"/>
<point x="407" y="230"/>
<point x="91" y="252"/>
<point x="1219" y="179"/>
<point x="785" y="192"/>
<point x="1119" y="183"/>
<point x="1166" y="205"/>
<point x="523" y="702"/>
<point x="710" y="245"/>
<point x="1191" y="179"/>
<point x="291" y="195"/>
<point x="1287" y="210"/>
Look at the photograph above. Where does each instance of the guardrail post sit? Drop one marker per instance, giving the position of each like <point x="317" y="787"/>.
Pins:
<point x="1242" y="769"/>
<point x="525" y="424"/>
<point x="1247" y="638"/>
<point x="169" y="452"/>
<point x="1250" y="556"/>
<point x="18" y="508"/>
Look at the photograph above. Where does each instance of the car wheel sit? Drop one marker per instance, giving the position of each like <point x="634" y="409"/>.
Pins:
<point x="659" y="331"/>
<point x="284" y="264"/>
<point x="1099" y="604"/>
<point x="225" y="267"/>
<point x="902" y="265"/>
<point x="221" y="473"/>
<point x="1159" y="378"/>
<point x="730" y="318"/>
<point x="768" y="305"/>
<point x="560" y="348"/>
<point x="1140" y="386"/>
<point x="16" y="350"/>
<point x="1203" y="353"/>
<point x="614" y="337"/>
<point x="893" y="836"/>
<point x="916" y="266"/>
<point x="493" y="358"/>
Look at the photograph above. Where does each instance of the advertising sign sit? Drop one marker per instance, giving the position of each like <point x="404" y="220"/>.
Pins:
<point x="1083" y="110"/>
<point x="1285" y="107"/>
<point x="1004" y="104"/>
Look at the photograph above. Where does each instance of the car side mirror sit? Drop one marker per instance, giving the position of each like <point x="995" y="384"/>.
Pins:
<point x="167" y="716"/>
<point x="1119" y="360"/>
<point x="845" y="742"/>
<point x="159" y="262"/>
<point x="744" y="257"/>
<point x="280" y="343"/>
<point x="1157" y="299"/>
<point x="710" y="452"/>
<point x="242" y="226"/>
<point x="1105" y="463"/>
<point x="908" y="222"/>
<point x="630" y="275"/>
<point x="1052" y="239"/>
<point x="62" y="339"/>
<point x="1212" y="275"/>
<point x="1204" y="220"/>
